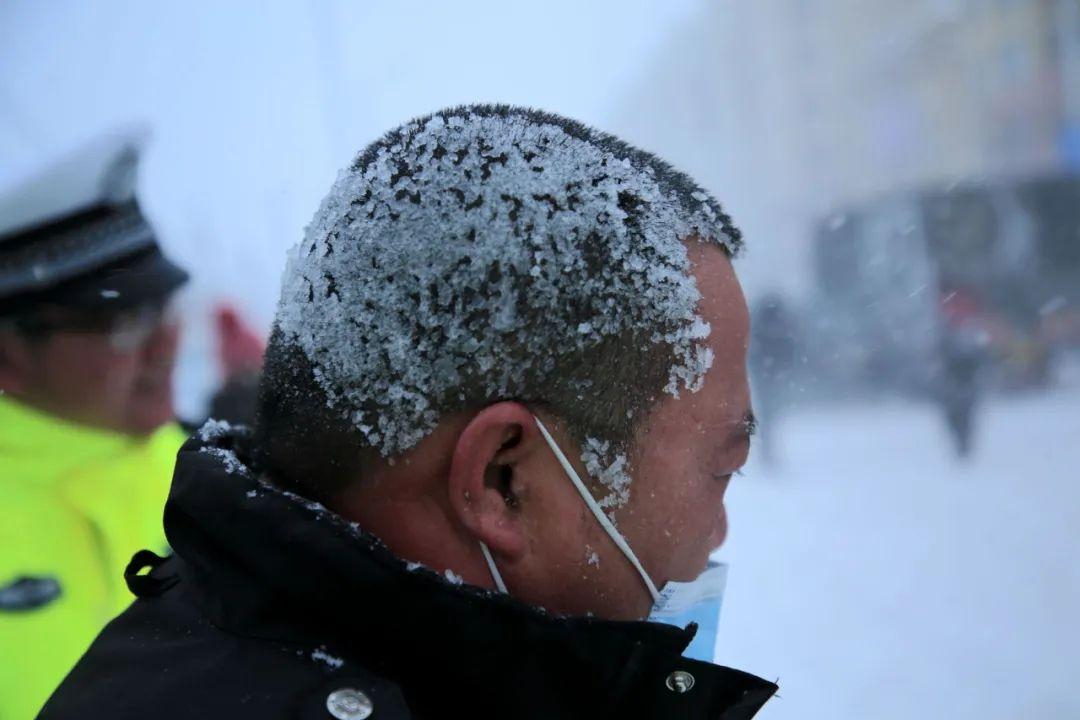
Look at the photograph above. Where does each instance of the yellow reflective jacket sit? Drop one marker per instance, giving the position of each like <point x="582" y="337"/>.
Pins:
<point x="75" y="504"/>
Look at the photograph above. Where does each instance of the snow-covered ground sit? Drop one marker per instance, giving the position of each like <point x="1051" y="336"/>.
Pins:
<point x="878" y="578"/>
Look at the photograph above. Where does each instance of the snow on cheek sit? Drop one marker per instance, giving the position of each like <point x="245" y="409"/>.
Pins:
<point x="609" y="469"/>
<point x="591" y="558"/>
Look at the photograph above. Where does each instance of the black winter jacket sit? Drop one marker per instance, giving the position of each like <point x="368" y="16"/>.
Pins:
<point x="273" y="607"/>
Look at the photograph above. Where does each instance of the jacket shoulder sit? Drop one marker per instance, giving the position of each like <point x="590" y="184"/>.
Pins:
<point x="162" y="659"/>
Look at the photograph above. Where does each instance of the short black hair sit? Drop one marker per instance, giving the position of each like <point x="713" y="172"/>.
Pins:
<point x="425" y="247"/>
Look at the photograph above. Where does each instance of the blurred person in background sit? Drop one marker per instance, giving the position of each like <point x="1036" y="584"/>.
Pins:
<point x="962" y="353"/>
<point x="87" y="436"/>
<point x="772" y="365"/>
<point x="239" y="355"/>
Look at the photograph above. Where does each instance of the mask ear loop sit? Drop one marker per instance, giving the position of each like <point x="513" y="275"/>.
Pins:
<point x="495" y="575"/>
<point x="597" y="512"/>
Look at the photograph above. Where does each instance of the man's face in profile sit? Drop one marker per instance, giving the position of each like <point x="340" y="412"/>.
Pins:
<point x="684" y="457"/>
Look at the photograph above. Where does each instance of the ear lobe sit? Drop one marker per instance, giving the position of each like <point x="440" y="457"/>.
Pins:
<point x="483" y="492"/>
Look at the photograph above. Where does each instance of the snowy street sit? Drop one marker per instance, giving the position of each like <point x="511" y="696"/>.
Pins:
<point x="876" y="577"/>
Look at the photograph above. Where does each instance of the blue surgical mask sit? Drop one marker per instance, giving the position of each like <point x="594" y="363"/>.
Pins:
<point x="677" y="603"/>
<point x="697" y="601"/>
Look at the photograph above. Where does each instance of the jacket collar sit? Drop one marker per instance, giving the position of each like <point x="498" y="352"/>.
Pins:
<point x="259" y="559"/>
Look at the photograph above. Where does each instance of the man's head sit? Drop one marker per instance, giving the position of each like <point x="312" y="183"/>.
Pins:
<point x="108" y="369"/>
<point x="483" y="265"/>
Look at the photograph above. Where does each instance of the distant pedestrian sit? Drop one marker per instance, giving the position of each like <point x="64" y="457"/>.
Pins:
<point x="963" y="351"/>
<point x="773" y="355"/>
<point x="962" y="354"/>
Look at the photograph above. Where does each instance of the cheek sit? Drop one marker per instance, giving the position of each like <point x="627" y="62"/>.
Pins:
<point x="655" y="522"/>
<point x="689" y="523"/>
<point x="701" y="511"/>
<point x="117" y="370"/>
<point x="559" y="524"/>
<point x="89" y="368"/>
<point x="164" y="343"/>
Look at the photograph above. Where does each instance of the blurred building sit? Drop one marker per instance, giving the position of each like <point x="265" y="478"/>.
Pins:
<point x="792" y="108"/>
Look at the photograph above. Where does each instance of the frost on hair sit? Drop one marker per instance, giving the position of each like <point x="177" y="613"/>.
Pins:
<point x="463" y="255"/>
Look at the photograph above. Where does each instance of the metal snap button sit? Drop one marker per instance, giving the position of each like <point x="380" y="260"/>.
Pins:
<point x="680" y="681"/>
<point x="349" y="704"/>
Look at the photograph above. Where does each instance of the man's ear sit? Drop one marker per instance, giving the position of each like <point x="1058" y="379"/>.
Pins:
<point x="16" y="359"/>
<point x="486" y="484"/>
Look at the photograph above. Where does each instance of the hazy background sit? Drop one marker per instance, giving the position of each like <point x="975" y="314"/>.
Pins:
<point x="868" y="149"/>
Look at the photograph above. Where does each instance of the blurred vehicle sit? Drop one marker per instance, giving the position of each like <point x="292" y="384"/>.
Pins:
<point x="1053" y="207"/>
<point x="893" y="271"/>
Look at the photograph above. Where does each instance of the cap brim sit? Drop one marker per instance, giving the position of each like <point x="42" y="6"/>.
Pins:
<point x="147" y="277"/>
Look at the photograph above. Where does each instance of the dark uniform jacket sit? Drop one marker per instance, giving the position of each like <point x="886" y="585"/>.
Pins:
<point x="273" y="607"/>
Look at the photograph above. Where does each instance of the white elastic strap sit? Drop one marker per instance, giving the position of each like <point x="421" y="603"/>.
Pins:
<point x="494" y="570"/>
<point x="597" y="512"/>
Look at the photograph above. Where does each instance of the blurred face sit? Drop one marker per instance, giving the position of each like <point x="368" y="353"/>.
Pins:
<point x="683" y="461"/>
<point x="111" y="373"/>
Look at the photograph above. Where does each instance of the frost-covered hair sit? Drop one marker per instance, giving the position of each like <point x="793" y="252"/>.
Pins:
<point x="482" y="253"/>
